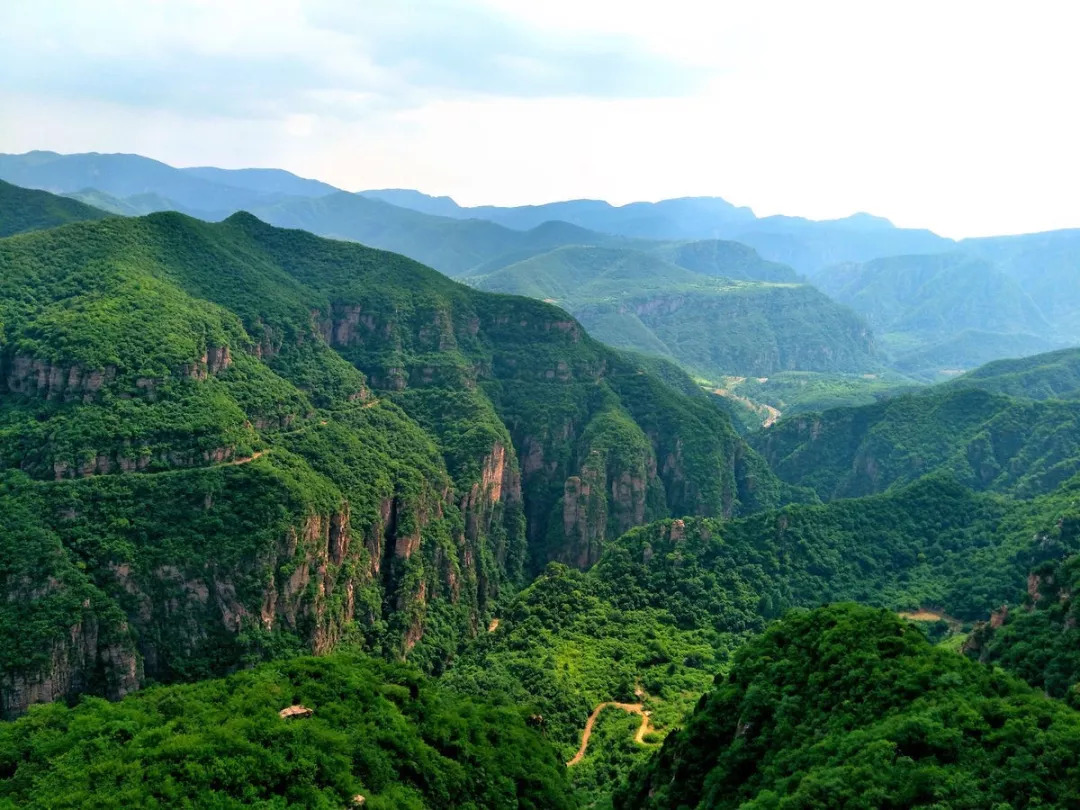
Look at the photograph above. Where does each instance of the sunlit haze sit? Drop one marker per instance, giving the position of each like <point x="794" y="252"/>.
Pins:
<point x="956" y="116"/>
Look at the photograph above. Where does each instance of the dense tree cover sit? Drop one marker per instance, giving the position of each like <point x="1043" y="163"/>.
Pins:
<point x="24" y="210"/>
<point x="794" y="392"/>
<point x="664" y="608"/>
<point x="243" y="442"/>
<point x="986" y="441"/>
<point x="381" y="731"/>
<point x="921" y="306"/>
<point x="1039" y="640"/>
<point x="1053" y="375"/>
<point x="848" y="706"/>
<point x="707" y="318"/>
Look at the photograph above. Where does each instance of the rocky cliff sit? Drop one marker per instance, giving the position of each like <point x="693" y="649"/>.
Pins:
<point x="284" y="442"/>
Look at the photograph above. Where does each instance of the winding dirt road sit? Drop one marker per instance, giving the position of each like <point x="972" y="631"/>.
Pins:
<point x="633" y="708"/>
<point x="243" y="459"/>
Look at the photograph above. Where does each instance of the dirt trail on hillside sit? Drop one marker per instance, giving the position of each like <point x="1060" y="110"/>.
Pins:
<point x="633" y="708"/>
<point x="929" y="615"/>
<point x="243" y="459"/>
<point x="771" y="414"/>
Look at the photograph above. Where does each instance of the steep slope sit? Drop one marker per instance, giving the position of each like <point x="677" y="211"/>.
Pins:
<point x="1054" y="375"/>
<point x="668" y="603"/>
<point x="1044" y="265"/>
<point x="851" y="707"/>
<point x="988" y="441"/>
<point x="228" y="441"/>
<point x="707" y="322"/>
<point x="24" y="210"/>
<point x="378" y="734"/>
<point x="1038" y="640"/>
<point x="922" y="306"/>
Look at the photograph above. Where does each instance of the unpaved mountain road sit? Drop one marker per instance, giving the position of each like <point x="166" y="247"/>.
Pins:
<point x="633" y="708"/>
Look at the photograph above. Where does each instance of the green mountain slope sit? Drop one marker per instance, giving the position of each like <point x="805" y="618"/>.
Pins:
<point x="361" y="447"/>
<point x="23" y="209"/>
<point x="924" y="308"/>
<point x="1038" y="640"/>
<point x="1054" y="375"/>
<point x="665" y="607"/>
<point x="707" y="322"/>
<point x="987" y="441"/>
<point x="795" y="392"/>
<point x="1044" y="265"/>
<point x="851" y="707"/>
<point x="381" y="732"/>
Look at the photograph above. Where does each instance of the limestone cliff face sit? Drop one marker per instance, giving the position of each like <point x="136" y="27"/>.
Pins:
<point x="327" y="571"/>
<point x="602" y="502"/>
<point x="94" y="653"/>
<point x="35" y="377"/>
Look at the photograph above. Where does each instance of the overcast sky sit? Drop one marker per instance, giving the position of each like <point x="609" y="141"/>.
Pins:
<point x="954" y="115"/>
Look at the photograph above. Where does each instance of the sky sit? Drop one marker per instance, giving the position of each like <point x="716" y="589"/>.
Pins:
<point x="954" y="115"/>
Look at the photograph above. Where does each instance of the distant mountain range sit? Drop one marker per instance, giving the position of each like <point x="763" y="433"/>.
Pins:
<point x="939" y="306"/>
<point x="802" y="243"/>
<point x="949" y="310"/>
<point x="723" y="322"/>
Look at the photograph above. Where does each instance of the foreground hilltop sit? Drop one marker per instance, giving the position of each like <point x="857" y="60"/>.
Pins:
<point x="228" y="441"/>
<point x="851" y="707"/>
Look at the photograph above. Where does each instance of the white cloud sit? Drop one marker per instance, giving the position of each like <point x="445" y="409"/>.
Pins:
<point x="957" y="116"/>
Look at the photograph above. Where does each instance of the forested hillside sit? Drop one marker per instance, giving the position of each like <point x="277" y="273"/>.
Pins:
<point x="925" y="307"/>
<point x="707" y="321"/>
<point x="987" y="441"/>
<point x="848" y="706"/>
<point x="367" y="734"/>
<point x="24" y="210"/>
<point x="1054" y="375"/>
<point x="1037" y="639"/>
<point x="225" y="442"/>
<point x="668" y="604"/>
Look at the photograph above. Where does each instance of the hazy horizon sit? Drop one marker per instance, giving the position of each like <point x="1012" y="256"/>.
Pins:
<point x="816" y="112"/>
